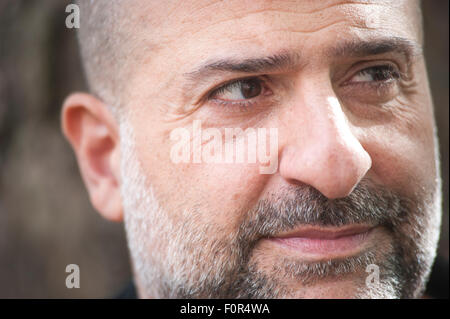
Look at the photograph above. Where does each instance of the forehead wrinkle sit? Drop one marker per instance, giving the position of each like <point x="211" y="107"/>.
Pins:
<point x="232" y="13"/>
<point x="293" y="7"/>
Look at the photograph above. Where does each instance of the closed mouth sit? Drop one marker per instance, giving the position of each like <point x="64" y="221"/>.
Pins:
<point x="324" y="242"/>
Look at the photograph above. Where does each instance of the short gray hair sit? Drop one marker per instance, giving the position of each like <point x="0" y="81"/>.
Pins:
<point x="102" y="29"/>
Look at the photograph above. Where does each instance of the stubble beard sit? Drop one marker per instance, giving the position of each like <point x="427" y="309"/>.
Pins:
<point x="194" y="259"/>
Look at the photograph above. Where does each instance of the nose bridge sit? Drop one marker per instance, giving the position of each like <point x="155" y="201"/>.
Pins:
<point x="334" y="127"/>
<point x="330" y="137"/>
<point x="327" y="126"/>
<point x="325" y="116"/>
<point x="329" y="156"/>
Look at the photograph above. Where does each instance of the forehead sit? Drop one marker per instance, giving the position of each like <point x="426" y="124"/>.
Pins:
<point x="202" y="28"/>
<point x="202" y="18"/>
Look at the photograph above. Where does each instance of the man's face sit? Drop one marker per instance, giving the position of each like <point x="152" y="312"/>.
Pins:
<point x="345" y="86"/>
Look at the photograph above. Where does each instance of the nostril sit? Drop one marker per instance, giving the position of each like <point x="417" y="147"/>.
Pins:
<point x="332" y="169"/>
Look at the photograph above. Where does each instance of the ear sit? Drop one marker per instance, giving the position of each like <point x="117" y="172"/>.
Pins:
<point x="92" y="130"/>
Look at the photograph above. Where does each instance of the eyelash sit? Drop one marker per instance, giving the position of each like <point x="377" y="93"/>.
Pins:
<point x="376" y="91"/>
<point x="242" y="105"/>
<point x="391" y="73"/>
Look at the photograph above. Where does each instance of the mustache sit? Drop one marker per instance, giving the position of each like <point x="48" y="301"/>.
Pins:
<point x="368" y="204"/>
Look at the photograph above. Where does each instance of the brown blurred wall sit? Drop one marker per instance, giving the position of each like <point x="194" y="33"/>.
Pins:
<point x="46" y="220"/>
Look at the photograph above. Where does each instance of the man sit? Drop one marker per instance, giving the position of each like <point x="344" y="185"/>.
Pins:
<point x="340" y="93"/>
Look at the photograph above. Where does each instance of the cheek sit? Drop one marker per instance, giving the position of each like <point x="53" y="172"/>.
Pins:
<point x="223" y="193"/>
<point x="232" y="189"/>
<point x="220" y="193"/>
<point x="402" y="162"/>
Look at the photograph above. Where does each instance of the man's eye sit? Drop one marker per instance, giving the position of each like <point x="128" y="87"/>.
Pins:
<point x="238" y="90"/>
<point x="380" y="73"/>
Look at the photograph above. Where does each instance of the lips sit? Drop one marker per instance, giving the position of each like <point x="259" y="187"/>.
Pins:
<point x="325" y="242"/>
<point x="326" y="233"/>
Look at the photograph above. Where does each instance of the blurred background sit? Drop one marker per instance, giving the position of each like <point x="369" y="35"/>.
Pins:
<point x="46" y="220"/>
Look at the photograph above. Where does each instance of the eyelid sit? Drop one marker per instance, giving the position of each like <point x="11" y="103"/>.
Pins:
<point x="371" y="92"/>
<point x="241" y="105"/>
<point x="361" y="66"/>
<point x="223" y="86"/>
<point x="386" y="70"/>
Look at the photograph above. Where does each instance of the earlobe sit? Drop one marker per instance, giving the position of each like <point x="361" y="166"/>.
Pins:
<point x="92" y="130"/>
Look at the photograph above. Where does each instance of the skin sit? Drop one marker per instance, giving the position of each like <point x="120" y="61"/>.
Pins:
<point x="384" y="135"/>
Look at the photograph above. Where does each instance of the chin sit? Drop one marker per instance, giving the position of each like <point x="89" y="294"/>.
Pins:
<point x="338" y="289"/>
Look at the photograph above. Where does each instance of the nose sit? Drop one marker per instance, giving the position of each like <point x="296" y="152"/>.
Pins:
<point x="326" y="154"/>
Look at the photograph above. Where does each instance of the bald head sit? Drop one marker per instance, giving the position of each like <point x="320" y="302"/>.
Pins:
<point x="112" y="45"/>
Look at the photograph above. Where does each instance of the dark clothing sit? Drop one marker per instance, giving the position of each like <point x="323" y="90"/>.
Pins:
<point x="437" y="287"/>
<point x="129" y="292"/>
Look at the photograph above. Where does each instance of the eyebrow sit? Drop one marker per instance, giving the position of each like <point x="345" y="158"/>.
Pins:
<point x="291" y="60"/>
<point x="361" y="48"/>
<point x="278" y="61"/>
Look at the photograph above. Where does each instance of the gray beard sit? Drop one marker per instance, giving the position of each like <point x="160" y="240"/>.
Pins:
<point x="191" y="260"/>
